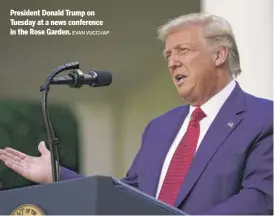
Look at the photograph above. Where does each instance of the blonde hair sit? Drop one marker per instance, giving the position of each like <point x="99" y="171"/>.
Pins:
<point x="217" y="31"/>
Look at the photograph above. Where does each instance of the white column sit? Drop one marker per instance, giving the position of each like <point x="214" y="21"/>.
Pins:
<point x="252" y="23"/>
<point x="96" y="137"/>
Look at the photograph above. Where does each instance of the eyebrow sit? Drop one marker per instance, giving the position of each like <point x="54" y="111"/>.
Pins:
<point x="165" y="52"/>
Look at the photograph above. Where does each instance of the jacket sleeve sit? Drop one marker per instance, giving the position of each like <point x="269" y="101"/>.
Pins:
<point x="131" y="177"/>
<point x="66" y="174"/>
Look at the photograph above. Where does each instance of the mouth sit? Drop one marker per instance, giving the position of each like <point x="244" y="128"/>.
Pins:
<point x="180" y="78"/>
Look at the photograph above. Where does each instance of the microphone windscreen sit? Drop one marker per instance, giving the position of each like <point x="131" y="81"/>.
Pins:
<point x="104" y="78"/>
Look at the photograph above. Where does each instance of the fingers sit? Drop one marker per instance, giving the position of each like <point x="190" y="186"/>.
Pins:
<point x="9" y="160"/>
<point x="10" y="156"/>
<point x="15" y="167"/>
<point x="42" y="148"/>
<point x="14" y="152"/>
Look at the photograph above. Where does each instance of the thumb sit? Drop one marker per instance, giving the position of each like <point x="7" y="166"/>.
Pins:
<point x="42" y="148"/>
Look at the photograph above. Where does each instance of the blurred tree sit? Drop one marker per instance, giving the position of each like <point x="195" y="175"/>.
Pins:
<point x="22" y="128"/>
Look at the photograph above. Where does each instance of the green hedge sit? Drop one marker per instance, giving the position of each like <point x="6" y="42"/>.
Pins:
<point x="22" y="128"/>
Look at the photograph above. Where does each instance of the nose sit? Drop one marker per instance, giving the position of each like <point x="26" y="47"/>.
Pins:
<point x="174" y="62"/>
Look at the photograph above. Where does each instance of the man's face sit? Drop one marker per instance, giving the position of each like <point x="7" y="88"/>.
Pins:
<point x="191" y="64"/>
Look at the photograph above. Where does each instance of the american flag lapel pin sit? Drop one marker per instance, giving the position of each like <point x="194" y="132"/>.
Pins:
<point x="230" y="124"/>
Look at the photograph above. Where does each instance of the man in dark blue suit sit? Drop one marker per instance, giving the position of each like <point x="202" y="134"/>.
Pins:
<point x="211" y="156"/>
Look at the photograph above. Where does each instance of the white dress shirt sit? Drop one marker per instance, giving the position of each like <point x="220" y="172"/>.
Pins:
<point x="211" y="109"/>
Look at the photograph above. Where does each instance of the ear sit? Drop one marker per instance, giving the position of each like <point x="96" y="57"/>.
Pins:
<point x="221" y="56"/>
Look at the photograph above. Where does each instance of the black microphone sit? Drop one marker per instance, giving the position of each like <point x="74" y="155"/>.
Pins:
<point x="77" y="79"/>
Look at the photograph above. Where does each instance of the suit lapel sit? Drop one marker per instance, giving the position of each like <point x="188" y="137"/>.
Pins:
<point x="225" y="122"/>
<point x="164" y="142"/>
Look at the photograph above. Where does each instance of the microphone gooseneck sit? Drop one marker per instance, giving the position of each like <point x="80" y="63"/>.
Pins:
<point x="75" y="79"/>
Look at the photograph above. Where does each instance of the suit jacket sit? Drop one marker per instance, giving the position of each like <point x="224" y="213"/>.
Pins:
<point x="232" y="171"/>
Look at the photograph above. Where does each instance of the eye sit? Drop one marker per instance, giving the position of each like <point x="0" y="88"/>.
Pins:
<point x="183" y="50"/>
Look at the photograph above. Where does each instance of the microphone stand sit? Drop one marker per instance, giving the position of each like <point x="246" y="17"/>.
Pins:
<point x="53" y="141"/>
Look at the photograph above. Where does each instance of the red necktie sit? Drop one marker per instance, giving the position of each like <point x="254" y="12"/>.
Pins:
<point x="181" y="159"/>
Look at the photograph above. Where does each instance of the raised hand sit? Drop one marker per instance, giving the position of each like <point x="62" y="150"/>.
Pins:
<point x="36" y="169"/>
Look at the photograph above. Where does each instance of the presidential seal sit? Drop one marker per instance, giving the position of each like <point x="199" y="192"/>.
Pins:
<point x="28" y="209"/>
